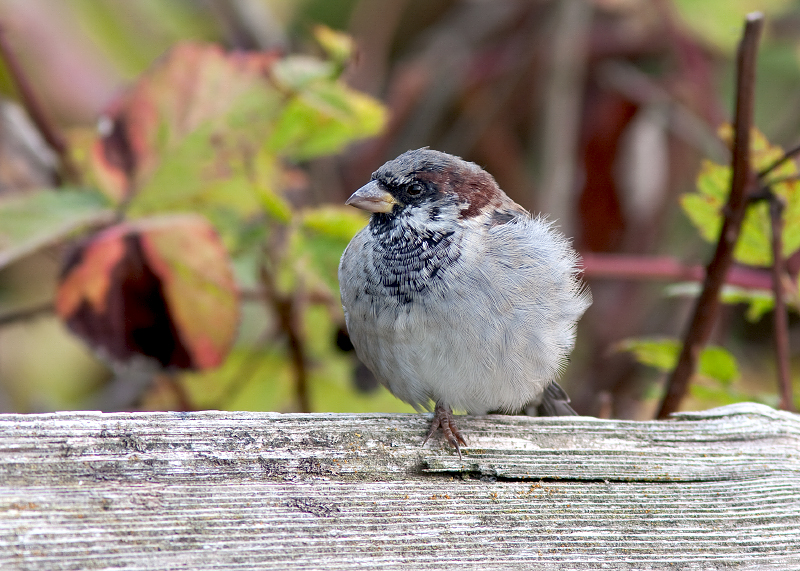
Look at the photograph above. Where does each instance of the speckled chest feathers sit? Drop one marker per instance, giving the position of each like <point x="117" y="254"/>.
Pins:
<point x="453" y="293"/>
<point x="408" y="252"/>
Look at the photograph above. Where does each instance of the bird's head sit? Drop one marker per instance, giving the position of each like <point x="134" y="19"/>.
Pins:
<point x="429" y="182"/>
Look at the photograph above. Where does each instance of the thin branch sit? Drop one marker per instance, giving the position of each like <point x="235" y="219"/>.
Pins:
<point x="287" y="309"/>
<point x="27" y="313"/>
<point x="175" y="386"/>
<point x="742" y="179"/>
<point x="666" y="268"/>
<point x="788" y="155"/>
<point x="244" y="374"/>
<point x="35" y="109"/>
<point x="781" y="321"/>
<point x="787" y="178"/>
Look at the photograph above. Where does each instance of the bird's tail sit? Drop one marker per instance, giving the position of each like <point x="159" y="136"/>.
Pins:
<point x="554" y="402"/>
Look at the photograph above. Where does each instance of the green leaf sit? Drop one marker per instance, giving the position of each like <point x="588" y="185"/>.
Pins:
<point x="718" y="363"/>
<point x="340" y="222"/>
<point x="719" y="395"/>
<point x="662" y="353"/>
<point x="324" y="117"/>
<point x="760" y="301"/>
<point x="713" y="185"/>
<point x="338" y="46"/>
<point x="33" y="220"/>
<point x="313" y="260"/>
<point x="325" y="232"/>
<point x="267" y="171"/>
<point x="296" y="72"/>
<point x="212" y="167"/>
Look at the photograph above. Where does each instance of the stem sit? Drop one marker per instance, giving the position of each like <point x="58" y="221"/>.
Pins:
<point x="781" y="320"/>
<point x="632" y="267"/>
<point x="27" y="313"/>
<point x="789" y="154"/>
<point x="286" y="308"/>
<point x="182" y="397"/>
<point x="35" y="109"/>
<point x="742" y="178"/>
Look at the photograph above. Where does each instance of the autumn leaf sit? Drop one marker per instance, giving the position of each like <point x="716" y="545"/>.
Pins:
<point x="158" y="287"/>
<point x="191" y="92"/>
<point x="209" y="131"/>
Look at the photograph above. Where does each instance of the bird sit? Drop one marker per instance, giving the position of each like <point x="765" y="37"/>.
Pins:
<point x="455" y="296"/>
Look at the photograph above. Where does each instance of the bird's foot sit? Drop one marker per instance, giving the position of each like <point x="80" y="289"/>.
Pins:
<point x="443" y="418"/>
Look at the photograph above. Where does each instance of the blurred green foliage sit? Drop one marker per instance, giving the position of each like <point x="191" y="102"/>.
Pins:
<point x="218" y="135"/>
<point x="719" y="22"/>
<point x="754" y="247"/>
<point x="264" y="141"/>
<point x="715" y="362"/>
<point x="704" y="208"/>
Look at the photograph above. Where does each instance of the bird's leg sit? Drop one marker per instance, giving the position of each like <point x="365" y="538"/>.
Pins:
<point x="443" y="417"/>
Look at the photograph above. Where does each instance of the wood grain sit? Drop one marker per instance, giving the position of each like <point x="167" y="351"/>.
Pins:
<point x="225" y="490"/>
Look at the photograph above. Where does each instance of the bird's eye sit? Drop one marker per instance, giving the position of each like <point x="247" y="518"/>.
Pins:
<point x="414" y="189"/>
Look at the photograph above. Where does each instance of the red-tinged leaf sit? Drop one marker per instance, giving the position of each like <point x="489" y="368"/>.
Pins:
<point x="191" y="86"/>
<point x="198" y="285"/>
<point x="161" y="288"/>
<point x="87" y="276"/>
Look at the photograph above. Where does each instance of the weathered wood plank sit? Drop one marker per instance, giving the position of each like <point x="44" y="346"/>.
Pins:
<point x="221" y="490"/>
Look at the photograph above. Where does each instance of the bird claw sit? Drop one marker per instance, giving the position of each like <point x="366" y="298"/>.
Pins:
<point x="443" y="418"/>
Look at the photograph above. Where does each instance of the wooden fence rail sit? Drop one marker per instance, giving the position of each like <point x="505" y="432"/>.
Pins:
<point x="240" y="490"/>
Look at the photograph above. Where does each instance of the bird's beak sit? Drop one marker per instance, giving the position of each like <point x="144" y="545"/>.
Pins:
<point x="372" y="198"/>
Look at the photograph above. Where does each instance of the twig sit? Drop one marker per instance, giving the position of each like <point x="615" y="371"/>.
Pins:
<point x="27" y="313"/>
<point x="285" y="306"/>
<point x="665" y="268"/>
<point x="244" y="374"/>
<point x="781" y="321"/>
<point x="788" y="155"/>
<point x="286" y="309"/>
<point x="787" y="178"/>
<point x="35" y="109"/>
<point x="182" y="397"/>
<point x="742" y="178"/>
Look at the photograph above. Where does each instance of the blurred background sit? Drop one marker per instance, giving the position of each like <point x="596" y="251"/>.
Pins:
<point x="596" y="112"/>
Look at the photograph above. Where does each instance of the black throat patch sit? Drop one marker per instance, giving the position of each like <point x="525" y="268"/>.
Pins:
<point x="407" y="259"/>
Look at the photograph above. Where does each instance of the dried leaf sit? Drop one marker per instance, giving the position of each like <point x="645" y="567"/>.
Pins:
<point x="198" y="284"/>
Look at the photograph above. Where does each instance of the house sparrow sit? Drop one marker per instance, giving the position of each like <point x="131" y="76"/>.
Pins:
<point x="454" y="294"/>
